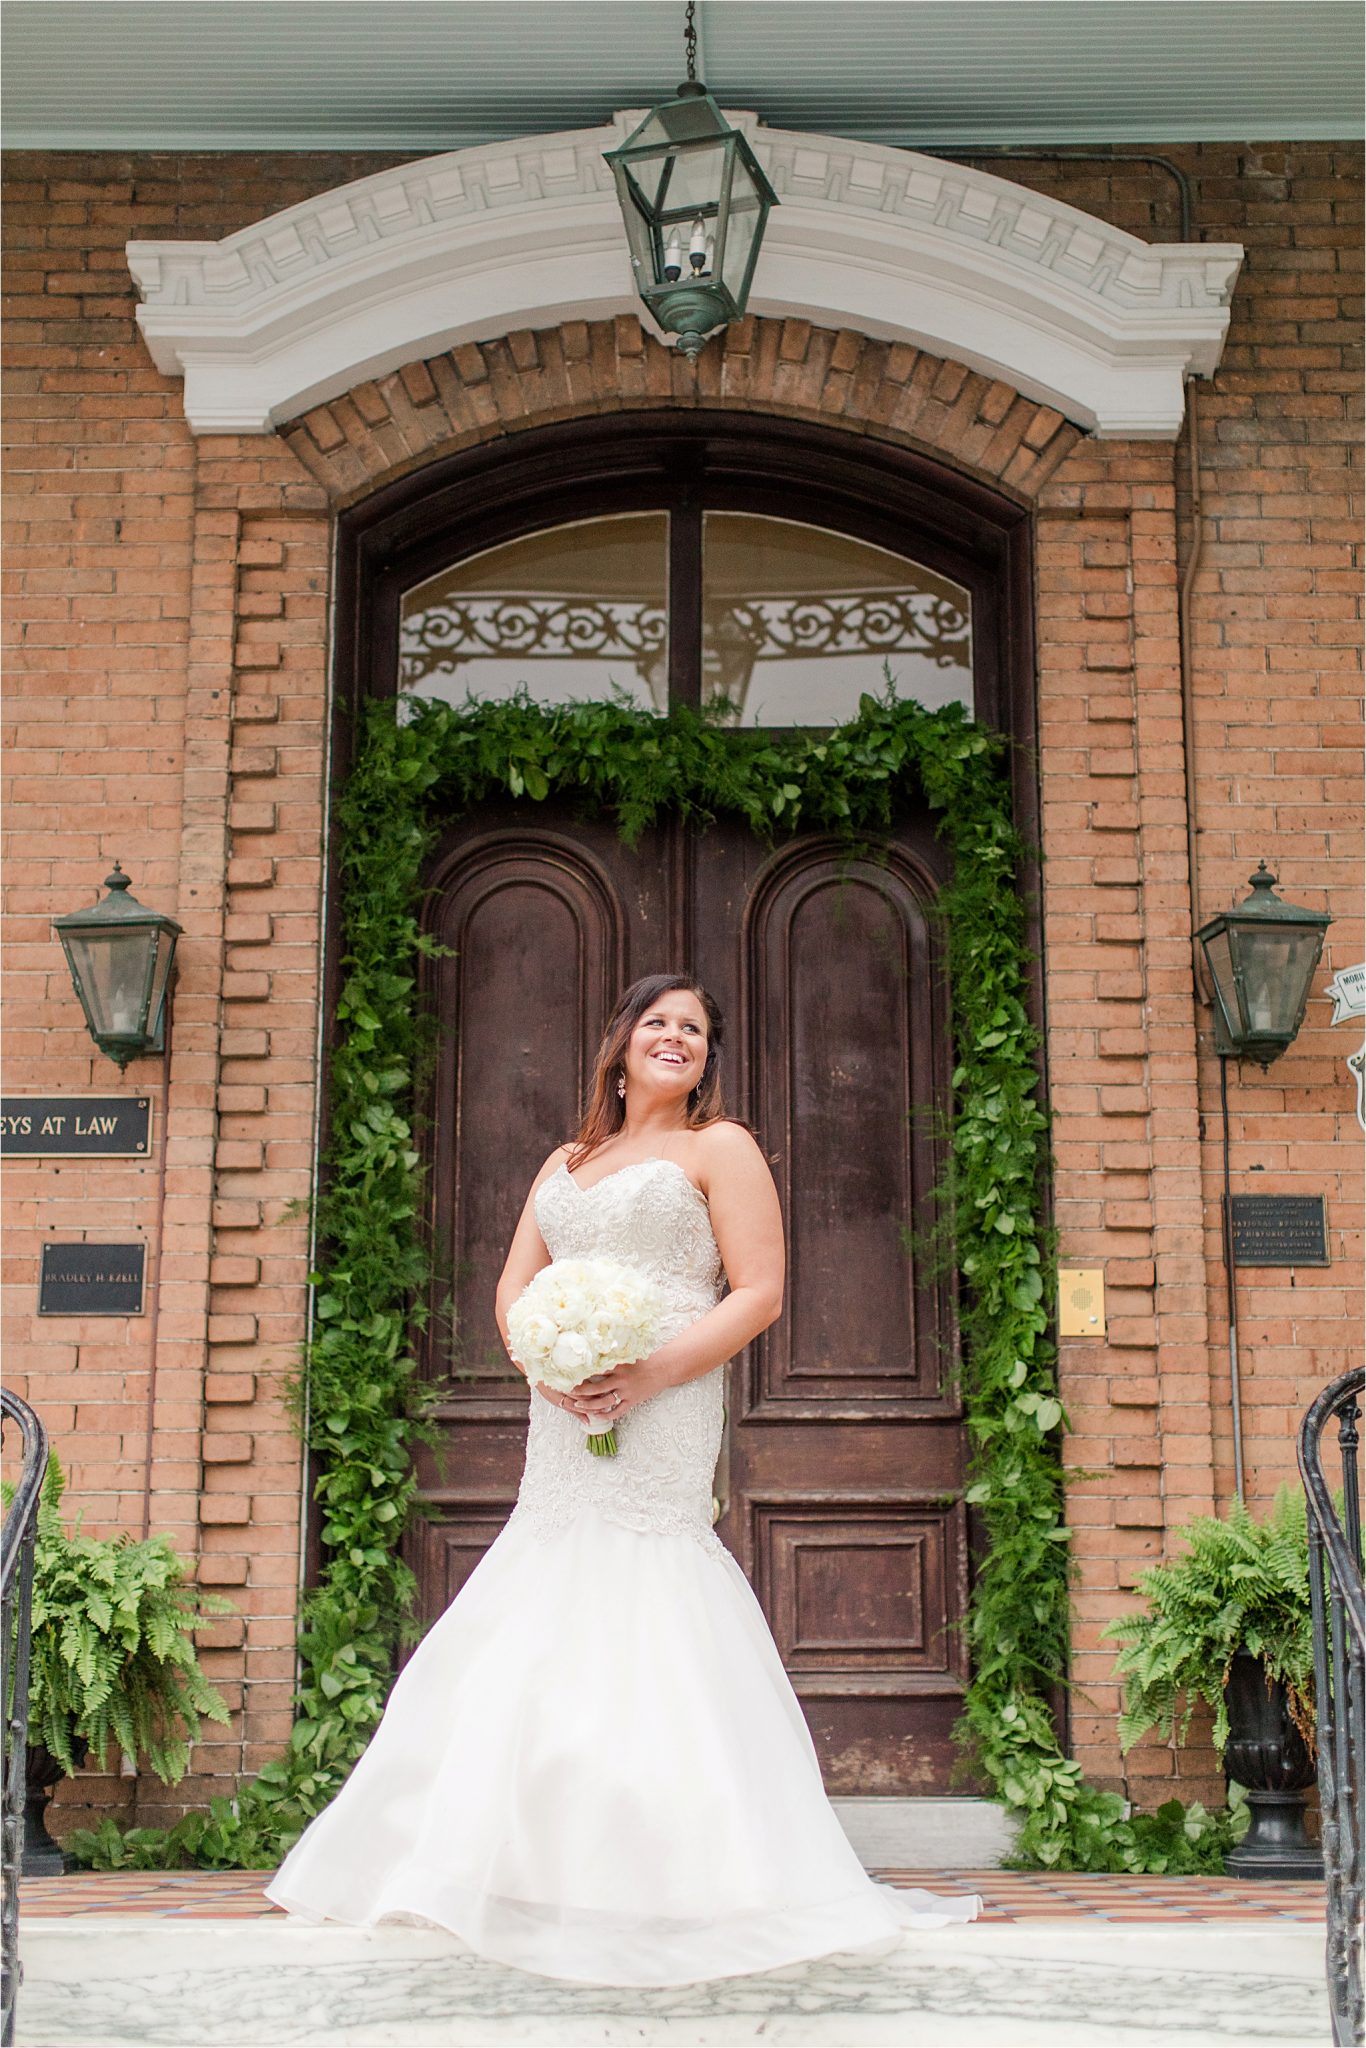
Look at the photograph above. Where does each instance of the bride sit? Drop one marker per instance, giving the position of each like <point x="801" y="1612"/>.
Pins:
<point x="594" y="1766"/>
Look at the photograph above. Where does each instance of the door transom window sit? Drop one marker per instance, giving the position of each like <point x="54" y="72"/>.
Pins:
<point x="767" y="620"/>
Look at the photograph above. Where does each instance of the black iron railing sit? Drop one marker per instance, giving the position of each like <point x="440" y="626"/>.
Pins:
<point x="1339" y="1608"/>
<point x="16" y="1609"/>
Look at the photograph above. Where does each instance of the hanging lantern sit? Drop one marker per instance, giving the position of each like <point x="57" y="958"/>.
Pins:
<point x="1261" y="955"/>
<point x="120" y="955"/>
<point x="695" y="203"/>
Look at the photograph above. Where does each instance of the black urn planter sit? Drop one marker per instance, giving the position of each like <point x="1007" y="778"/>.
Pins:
<point x="42" y="1857"/>
<point x="1268" y="1756"/>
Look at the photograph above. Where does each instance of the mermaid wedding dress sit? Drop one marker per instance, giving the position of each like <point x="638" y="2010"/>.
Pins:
<point x="594" y="1766"/>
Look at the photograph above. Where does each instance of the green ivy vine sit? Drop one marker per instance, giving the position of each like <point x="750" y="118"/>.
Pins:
<point x="360" y="1402"/>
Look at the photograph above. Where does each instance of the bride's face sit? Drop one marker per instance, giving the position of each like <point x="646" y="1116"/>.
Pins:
<point x="667" y="1051"/>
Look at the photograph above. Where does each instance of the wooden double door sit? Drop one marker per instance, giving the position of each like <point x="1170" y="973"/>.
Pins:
<point x="840" y="1484"/>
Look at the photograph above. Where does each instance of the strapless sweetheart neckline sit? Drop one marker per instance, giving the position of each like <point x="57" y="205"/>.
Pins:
<point x="657" y="1160"/>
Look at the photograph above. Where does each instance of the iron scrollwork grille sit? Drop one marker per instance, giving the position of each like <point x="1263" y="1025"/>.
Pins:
<point x="443" y="637"/>
<point x="883" y="622"/>
<point x="439" y="639"/>
<point x="1338" y="1606"/>
<point x="16" y="1609"/>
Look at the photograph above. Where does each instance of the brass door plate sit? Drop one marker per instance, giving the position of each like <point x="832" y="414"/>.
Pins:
<point x="1081" y="1301"/>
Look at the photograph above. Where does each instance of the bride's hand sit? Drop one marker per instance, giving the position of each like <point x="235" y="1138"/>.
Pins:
<point x="556" y="1398"/>
<point x="614" y="1394"/>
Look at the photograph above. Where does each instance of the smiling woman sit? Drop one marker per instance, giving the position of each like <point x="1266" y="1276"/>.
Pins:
<point x="607" y="1635"/>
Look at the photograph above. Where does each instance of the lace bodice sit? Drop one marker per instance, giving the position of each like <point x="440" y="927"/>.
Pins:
<point x="649" y="1215"/>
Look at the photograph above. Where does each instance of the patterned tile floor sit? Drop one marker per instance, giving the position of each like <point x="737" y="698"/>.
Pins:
<point x="1008" y="1895"/>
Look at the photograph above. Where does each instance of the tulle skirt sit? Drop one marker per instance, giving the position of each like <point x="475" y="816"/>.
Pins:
<point x="594" y="1768"/>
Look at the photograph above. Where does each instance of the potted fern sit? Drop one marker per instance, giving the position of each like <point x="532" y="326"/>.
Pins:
<point x="1228" y="1622"/>
<point x="113" y="1661"/>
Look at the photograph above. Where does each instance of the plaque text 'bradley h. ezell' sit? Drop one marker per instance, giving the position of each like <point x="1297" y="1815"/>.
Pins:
<point x="92" y="1279"/>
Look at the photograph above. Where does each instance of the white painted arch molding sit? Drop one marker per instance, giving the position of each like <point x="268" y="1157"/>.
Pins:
<point x="1071" y="311"/>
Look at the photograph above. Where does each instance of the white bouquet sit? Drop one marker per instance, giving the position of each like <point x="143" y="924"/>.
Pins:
<point x="579" y="1317"/>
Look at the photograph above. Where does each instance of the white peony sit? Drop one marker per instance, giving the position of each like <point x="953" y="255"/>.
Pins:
<point x="536" y="1334"/>
<point x="572" y="1359"/>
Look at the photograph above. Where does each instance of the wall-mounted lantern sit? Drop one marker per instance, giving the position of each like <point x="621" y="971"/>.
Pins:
<point x="695" y="203"/>
<point x="121" y="956"/>
<point x="1261" y="957"/>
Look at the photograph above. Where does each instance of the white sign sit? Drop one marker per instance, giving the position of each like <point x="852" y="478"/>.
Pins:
<point x="1348" y="990"/>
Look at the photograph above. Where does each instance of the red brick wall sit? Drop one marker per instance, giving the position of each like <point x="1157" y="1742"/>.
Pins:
<point x="168" y="627"/>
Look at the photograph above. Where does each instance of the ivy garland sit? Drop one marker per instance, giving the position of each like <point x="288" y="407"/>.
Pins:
<point x="365" y="1410"/>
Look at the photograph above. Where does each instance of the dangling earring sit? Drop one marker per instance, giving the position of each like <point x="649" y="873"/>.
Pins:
<point x="621" y="1084"/>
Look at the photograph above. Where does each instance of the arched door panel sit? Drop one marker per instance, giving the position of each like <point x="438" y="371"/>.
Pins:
<point x="841" y="1476"/>
<point x="847" y="1065"/>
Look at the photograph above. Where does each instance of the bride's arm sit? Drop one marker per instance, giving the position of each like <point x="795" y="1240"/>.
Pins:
<point x="527" y="1253"/>
<point x="748" y="1226"/>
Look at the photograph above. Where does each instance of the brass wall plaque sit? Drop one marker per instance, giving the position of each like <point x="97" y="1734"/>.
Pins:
<point x="75" y="1126"/>
<point x="92" y="1279"/>
<point x="1081" y="1301"/>
<point x="1279" y="1230"/>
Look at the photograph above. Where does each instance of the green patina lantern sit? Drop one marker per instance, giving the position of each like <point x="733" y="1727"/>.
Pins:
<point x="695" y="203"/>
<point x="120" y="955"/>
<point x="1261" y="956"/>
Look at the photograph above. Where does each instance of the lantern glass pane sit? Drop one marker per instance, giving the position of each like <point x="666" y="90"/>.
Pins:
<point x="161" y="969"/>
<point x="652" y="179"/>
<point x="1219" y="954"/>
<point x="1276" y="964"/>
<point x="695" y="187"/>
<point x="114" y="970"/>
<point x="744" y="223"/>
<point x="640" y="238"/>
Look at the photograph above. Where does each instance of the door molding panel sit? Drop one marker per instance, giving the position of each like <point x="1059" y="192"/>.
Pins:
<point x="865" y="973"/>
<point x="865" y="1629"/>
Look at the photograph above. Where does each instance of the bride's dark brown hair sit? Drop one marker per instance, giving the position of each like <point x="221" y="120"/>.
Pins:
<point x="606" y="1110"/>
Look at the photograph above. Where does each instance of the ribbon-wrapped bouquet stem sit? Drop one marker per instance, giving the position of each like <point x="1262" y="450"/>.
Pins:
<point x="581" y="1317"/>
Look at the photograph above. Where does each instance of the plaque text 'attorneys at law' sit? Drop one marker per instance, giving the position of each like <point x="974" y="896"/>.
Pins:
<point x="92" y="1279"/>
<point x="75" y="1126"/>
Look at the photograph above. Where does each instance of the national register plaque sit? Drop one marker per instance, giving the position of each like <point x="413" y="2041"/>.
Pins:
<point x="1279" y="1230"/>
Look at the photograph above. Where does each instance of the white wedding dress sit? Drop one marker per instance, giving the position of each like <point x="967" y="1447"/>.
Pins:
<point x="594" y="1766"/>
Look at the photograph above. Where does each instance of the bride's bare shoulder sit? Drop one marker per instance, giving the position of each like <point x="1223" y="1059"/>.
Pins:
<point x="724" y="1147"/>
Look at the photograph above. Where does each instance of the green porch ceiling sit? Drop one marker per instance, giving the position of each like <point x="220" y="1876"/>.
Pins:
<point x="423" y="75"/>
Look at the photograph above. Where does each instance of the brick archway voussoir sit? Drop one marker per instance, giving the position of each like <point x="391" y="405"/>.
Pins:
<point x="384" y="428"/>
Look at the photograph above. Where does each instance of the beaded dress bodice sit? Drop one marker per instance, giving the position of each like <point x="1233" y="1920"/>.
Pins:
<point x="651" y="1216"/>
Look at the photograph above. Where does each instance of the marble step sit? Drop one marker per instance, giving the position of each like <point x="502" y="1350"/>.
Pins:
<point x="113" y="1981"/>
<point x="927" y="1834"/>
